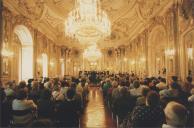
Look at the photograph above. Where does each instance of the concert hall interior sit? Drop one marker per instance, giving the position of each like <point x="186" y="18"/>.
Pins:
<point x="97" y="63"/>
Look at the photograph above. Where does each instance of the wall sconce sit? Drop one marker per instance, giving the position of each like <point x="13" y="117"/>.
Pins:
<point x="69" y="60"/>
<point x="157" y="59"/>
<point x="6" y="52"/>
<point x="61" y="60"/>
<point x="52" y="64"/>
<point x="170" y="53"/>
<point x="39" y="61"/>
<point x="132" y="62"/>
<point x="93" y="63"/>
<point x="142" y="59"/>
<point x="125" y="59"/>
<point x="190" y="53"/>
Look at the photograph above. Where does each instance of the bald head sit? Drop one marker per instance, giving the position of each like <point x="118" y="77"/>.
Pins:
<point x="176" y="114"/>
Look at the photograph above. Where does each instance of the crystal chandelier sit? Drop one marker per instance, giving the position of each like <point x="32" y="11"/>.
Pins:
<point x="92" y="53"/>
<point x="87" y="22"/>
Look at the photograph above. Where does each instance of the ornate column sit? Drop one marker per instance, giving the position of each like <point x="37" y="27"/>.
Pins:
<point x="176" y="39"/>
<point x="146" y="51"/>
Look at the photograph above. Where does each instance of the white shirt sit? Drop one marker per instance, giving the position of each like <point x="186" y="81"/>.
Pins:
<point x="161" y="85"/>
<point x="191" y="98"/>
<point x="23" y="104"/>
<point x="168" y="126"/>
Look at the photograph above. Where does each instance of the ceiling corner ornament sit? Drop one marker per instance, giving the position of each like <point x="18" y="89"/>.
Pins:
<point x="87" y="22"/>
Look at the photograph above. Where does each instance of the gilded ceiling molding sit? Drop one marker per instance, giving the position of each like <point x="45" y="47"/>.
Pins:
<point x="32" y="9"/>
<point x="187" y="9"/>
<point x="128" y="17"/>
<point x="147" y="9"/>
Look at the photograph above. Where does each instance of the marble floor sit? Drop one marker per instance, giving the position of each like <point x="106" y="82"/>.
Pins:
<point x="96" y="115"/>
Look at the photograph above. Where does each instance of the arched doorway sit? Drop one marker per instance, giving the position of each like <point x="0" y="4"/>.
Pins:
<point x="25" y="52"/>
<point x="156" y="52"/>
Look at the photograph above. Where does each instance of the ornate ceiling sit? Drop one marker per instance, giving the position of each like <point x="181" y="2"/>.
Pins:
<point x="128" y="17"/>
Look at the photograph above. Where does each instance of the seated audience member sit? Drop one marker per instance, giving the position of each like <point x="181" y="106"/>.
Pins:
<point x="142" y="100"/>
<point x="176" y="115"/>
<point x="68" y="111"/>
<point x="110" y="91"/>
<point x="22" y="108"/>
<point x="150" y="115"/>
<point x="172" y="92"/>
<point x="64" y="87"/>
<point x="29" y="85"/>
<point x="45" y="105"/>
<point x="152" y="84"/>
<point x="5" y="115"/>
<point x="9" y="89"/>
<point x="10" y="93"/>
<point x="162" y="84"/>
<point x="22" y="85"/>
<point x="191" y="98"/>
<point x="56" y="93"/>
<point x="47" y="83"/>
<point x="34" y="93"/>
<point x="136" y="91"/>
<point x="174" y="81"/>
<point x="79" y="90"/>
<point x="115" y="95"/>
<point x="124" y="104"/>
<point x="85" y="92"/>
<point x="106" y="87"/>
<point x="188" y="85"/>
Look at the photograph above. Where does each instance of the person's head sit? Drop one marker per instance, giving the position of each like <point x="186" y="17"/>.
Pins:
<point x="64" y="83"/>
<point x="21" y="94"/>
<point x="30" y="81"/>
<point x="47" y="79"/>
<point x="34" y="84"/>
<point x="136" y="84"/>
<point x="45" y="94"/>
<point x="122" y="83"/>
<point x="152" y="99"/>
<point x="22" y="84"/>
<point x="174" y="78"/>
<point x="145" y="91"/>
<point x="174" y="86"/>
<point x="189" y="79"/>
<point x="124" y="92"/>
<point x="83" y="80"/>
<point x="73" y="85"/>
<point x="176" y="114"/>
<point x="9" y="84"/>
<point x="192" y="91"/>
<point x="70" y="93"/>
<point x="114" y="84"/>
<point x="163" y="80"/>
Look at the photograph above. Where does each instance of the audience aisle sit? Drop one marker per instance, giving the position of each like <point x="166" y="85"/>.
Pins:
<point x="96" y="115"/>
